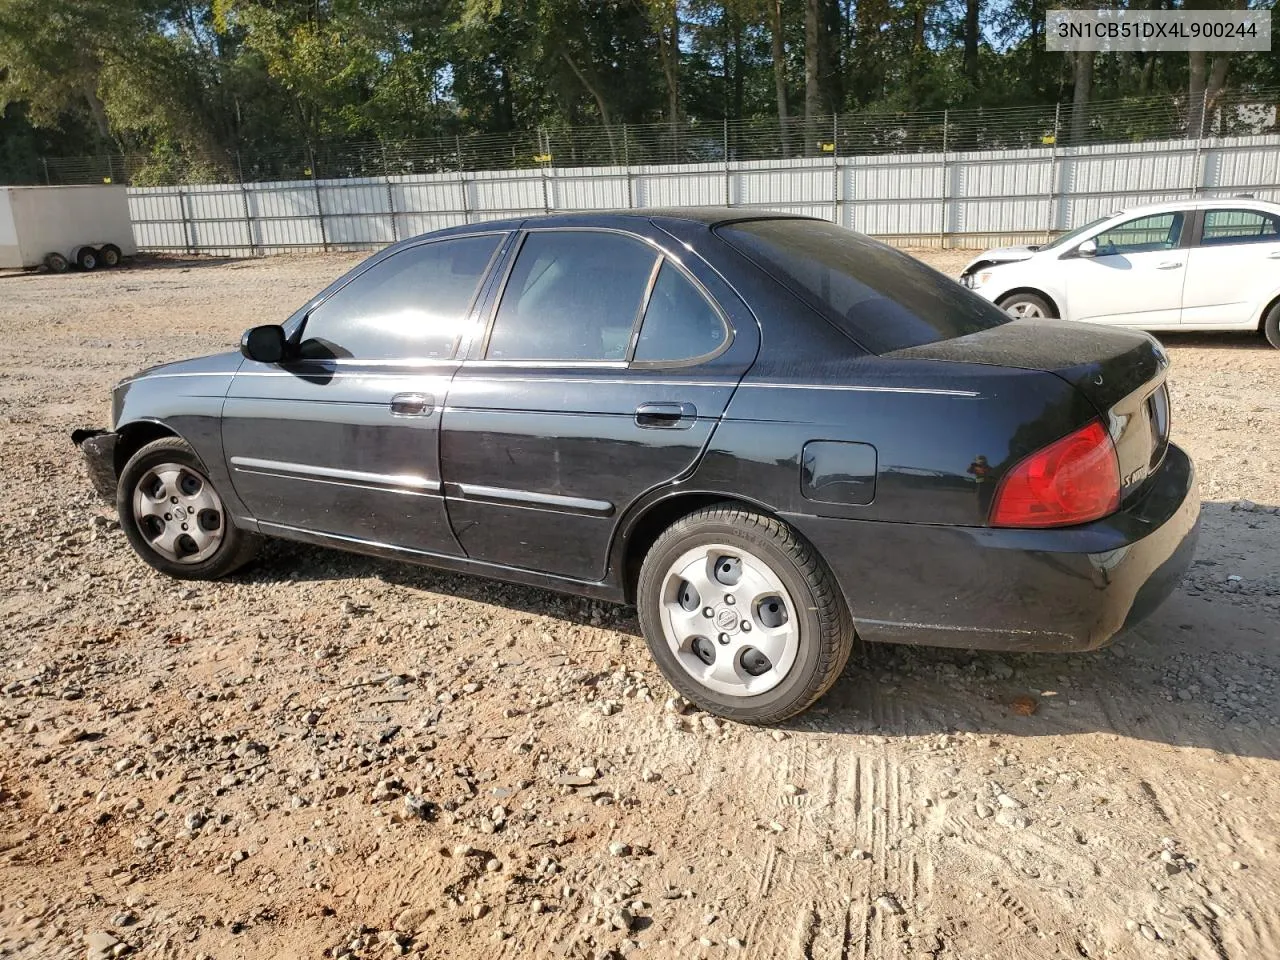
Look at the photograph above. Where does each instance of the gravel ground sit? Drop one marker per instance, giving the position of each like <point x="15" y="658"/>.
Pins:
<point x="333" y="756"/>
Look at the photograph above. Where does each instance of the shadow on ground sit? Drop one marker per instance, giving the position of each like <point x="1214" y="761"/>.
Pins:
<point x="1202" y="671"/>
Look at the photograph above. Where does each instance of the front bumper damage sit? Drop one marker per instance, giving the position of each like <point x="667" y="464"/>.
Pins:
<point x="98" y="448"/>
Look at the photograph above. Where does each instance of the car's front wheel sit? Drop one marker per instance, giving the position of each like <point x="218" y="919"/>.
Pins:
<point x="175" y="519"/>
<point x="742" y="615"/>
<point x="1027" y="305"/>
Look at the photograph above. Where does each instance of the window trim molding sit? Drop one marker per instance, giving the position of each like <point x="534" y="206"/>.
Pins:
<point x="702" y="291"/>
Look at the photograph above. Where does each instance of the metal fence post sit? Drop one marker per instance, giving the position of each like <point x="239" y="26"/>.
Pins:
<point x="544" y="147"/>
<point x="725" y="137"/>
<point x="391" y="197"/>
<point x="315" y="183"/>
<point x="47" y="180"/>
<point x="244" y="207"/>
<point x="835" y="168"/>
<point x="942" y="218"/>
<point x="1053" y="171"/>
<point x="626" y="162"/>
<point x="186" y="222"/>
<point x="1197" y="174"/>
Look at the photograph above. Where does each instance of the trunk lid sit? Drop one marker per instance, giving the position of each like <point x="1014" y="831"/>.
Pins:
<point x="1120" y="372"/>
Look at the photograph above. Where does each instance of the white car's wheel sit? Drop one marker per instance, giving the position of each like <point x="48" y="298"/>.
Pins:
<point x="1027" y="306"/>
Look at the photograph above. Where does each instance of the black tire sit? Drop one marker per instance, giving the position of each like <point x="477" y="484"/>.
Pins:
<point x="1035" y="305"/>
<point x="826" y="633"/>
<point x="109" y="255"/>
<point x="236" y="548"/>
<point x="56" y="262"/>
<point x="87" y="258"/>
<point x="1271" y="325"/>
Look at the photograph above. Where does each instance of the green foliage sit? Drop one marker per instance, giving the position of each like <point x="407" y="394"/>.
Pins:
<point x="209" y="88"/>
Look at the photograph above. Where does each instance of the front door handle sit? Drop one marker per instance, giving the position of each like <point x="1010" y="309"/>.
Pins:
<point x="666" y="416"/>
<point x="412" y="405"/>
<point x="1274" y="255"/>
<point x="1169" y="265"/>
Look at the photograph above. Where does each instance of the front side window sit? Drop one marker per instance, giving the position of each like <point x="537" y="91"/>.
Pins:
<point x="1239" y="226"/>
<point x="1159" y="231"/>
<point x="882" y="298"/>
<point x="573" y="295"/>
<point x="411" y="306"/>
<point x="679" y="324"/>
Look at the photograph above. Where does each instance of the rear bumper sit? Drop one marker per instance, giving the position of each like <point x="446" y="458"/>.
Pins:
<point x="1068" y="589"/>
<point x="98" y="448"/>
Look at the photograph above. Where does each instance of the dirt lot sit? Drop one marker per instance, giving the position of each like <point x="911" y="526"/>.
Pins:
<point x="334" y="756"/>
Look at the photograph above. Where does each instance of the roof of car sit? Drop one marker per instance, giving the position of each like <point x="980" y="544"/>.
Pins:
<point x="710" y="216"/>
<point x="1203" y="203"/>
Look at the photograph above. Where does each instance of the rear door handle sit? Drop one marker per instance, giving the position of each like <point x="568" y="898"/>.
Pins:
<point x="412" y="404"/>
<point x="1169" y="265"/>
<point x="666" y="416"/>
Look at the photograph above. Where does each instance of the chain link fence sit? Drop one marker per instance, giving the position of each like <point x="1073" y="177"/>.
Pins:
<point x="1132" y="120"/>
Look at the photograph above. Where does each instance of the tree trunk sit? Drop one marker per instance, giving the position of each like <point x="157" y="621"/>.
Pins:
<point x="812" y="66"/>
<point x="971" y="43"/>
<point x="1195" y="94"/>
<point x="829" y="54"/>
<point x="1217" y="83"/>
<point x="591" y="87"/>
<point x="739" y="76"/>
<point x="99" y="111"/>
<point x="779" y="58"/>
<point x="668" y="31"/>
<point x="1083" y="88"/>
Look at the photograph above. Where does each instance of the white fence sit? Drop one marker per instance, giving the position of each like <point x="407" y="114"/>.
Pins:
<point x="952" y="199"/>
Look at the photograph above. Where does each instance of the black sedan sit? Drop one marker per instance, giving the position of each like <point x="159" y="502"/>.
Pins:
<point x="767" y="432"/>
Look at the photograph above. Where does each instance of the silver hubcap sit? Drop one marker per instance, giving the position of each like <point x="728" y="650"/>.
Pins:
<point x="1024" y="308"/>
<point x="178" y="513"/>
<point x="729" y="620"/>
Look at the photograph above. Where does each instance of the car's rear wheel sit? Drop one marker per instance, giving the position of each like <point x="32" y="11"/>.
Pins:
<point x="175" y="518"/>
<point x="87" y="259"/>
<point x="1027" y="305"/>
<point x="1271" y="325"/>
<point x="110" y="255"/>
<point x="742" y="615"/>
<point x="56" y="262"/>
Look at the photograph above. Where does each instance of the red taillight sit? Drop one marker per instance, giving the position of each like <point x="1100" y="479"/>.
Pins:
<point x="1073" y="480"/>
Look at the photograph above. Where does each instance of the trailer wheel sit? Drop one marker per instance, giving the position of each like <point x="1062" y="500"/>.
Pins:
<point x="109" y="255"/>
<point x="56" y="263"/>
<point x="87" y="258"/>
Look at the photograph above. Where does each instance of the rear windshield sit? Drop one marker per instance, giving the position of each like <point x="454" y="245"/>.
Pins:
<point x="883" y="299"/>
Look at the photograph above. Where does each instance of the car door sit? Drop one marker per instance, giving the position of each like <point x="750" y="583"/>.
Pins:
<point x="343" y="441"/>
<point x="605" y="366"/>
<point x="1135" y="278"/>
<point x="1236" y="256"/>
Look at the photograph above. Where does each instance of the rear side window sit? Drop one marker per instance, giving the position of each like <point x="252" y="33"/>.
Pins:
<point x="880" y="297"/>
<point x="573" y="295"/>
<point x="679" y="323"/>
<point x="411" y="305"/>
<point x="1239" y="226"/>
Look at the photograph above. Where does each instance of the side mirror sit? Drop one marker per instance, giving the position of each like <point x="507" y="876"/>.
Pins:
<point x="1088" y="249"/>
<point x="265" y="344"/>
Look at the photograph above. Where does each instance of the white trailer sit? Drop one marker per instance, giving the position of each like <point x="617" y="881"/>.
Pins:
<point x="59" y="227"/>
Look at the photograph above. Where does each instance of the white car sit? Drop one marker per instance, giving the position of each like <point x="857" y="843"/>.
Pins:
<point x="1186" y="265"/>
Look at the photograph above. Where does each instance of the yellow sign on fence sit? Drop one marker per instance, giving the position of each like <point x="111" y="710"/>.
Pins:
<point x="542" y="158"/>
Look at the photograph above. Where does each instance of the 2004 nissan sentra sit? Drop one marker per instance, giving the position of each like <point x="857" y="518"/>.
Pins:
<point x="767" y="432"/>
